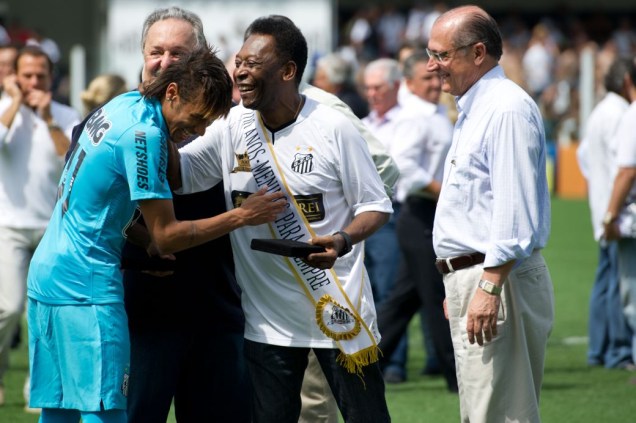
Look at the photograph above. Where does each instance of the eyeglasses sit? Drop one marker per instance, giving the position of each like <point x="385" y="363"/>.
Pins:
<point x="442" y="56"/>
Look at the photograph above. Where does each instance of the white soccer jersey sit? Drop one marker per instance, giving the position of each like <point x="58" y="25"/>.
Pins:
<point x="328" y="168"/>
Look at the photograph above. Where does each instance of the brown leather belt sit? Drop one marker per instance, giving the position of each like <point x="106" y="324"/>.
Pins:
<point x="460" y="262"/>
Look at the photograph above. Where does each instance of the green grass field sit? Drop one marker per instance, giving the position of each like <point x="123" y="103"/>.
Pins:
<point x="572" y="392"/>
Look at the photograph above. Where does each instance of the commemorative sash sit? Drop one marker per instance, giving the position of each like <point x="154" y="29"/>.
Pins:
<point x="335" y="314"/>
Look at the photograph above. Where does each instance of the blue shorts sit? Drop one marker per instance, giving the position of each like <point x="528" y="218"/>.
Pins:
<point x="78" y="356"/>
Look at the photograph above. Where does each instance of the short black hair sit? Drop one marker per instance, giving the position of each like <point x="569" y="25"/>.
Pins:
<point x="291" y="44"/>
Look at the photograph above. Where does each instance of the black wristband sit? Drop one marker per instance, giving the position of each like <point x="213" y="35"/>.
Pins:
<point x="348" y="243"/>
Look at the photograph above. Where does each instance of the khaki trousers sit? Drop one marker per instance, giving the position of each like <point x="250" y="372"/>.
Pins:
<point x="500" y="382"/>
<point x="318" y="403"/>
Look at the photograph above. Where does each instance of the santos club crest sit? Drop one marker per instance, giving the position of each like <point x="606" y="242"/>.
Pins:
<point x="303" y="163"/>
<point x="335" y="320"/>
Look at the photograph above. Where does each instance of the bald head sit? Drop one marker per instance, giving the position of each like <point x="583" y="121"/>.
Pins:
<point x="469" y="24"/>
<point x="460" y="11"/>
<point x="465" y="44"/>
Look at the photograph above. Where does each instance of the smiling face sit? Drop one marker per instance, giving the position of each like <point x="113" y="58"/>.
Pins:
<point x="424" y="84"/>
<point x="167" y="41"/>
<point x="258" y="72"/>
<point x="184" y="119"/>
<point x="461" y="67"/>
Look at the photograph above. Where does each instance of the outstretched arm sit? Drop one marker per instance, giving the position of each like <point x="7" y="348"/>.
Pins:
<point x="171" y="235"/>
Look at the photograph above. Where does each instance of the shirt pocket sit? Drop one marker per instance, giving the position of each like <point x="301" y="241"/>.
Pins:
<point x="459" y="179"/>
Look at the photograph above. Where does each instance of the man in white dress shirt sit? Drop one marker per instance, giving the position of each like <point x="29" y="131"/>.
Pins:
<point x="619" y="221"/>
<point x="382" y="253"/>
<point x="492" y="220"/>
<point x="422" y="139"/>
<point x="610" y="337"/>
<point x="34" y="135"/>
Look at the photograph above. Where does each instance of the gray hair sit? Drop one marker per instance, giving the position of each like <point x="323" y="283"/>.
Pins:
<point x="338" y="70"/>
<point x="476" y="27"/>
<point x="389" y="67"/>
<point x="175" y="12"/>
<point x="419" y="56"/>
<point x="615" y="77"/>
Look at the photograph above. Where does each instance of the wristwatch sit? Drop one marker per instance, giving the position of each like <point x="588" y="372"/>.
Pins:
<point x="348" y="243"/>
<point x="489" y="287"/>
<point x="608" y="218"/>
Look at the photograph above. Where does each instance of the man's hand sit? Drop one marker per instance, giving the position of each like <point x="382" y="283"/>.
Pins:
<point x="261" y="207"/>
<point x="333" y="245"/>
<point x="611" y="231"/>
<point x="153" y="251"/>
<point x="11" y="87"/>
<point x="40" y="101"/>
<point x="482" y="317"/>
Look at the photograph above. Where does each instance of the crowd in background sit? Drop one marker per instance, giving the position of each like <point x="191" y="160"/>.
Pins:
<point x="18" y="35"/>
<point x="541" y="52"/>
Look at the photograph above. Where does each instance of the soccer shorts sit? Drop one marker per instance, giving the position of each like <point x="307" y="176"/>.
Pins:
<point x="78" y="356"/>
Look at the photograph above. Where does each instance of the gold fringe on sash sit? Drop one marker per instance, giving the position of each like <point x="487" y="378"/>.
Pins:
<point x="354" y="363"/>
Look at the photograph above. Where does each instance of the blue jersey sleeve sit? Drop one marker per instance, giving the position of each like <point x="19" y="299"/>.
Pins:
<point x="143" y="151"/>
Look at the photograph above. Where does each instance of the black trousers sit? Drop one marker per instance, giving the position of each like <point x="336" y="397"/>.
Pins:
<point x="203" y="371"/>
<point x="277" y="375"/>
<point x="418" y="284"/>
